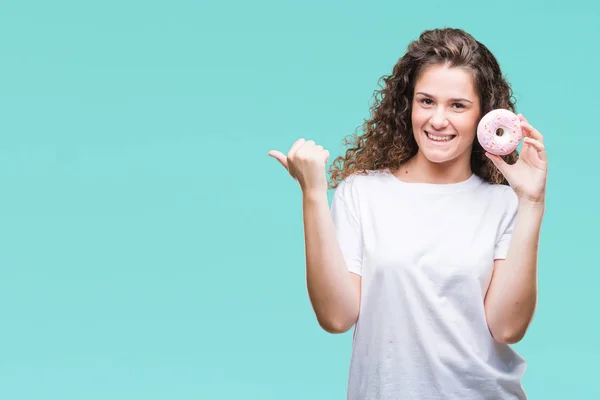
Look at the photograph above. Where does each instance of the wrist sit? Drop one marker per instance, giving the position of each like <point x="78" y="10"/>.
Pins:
<point x="314" y="195"/>
<point x="532" y="205"/>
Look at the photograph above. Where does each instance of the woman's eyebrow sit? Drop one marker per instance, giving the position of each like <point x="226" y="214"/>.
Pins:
<point x="453" y="99"/>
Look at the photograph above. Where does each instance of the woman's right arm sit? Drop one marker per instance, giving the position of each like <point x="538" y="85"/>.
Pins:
<point x="333" y="290"/>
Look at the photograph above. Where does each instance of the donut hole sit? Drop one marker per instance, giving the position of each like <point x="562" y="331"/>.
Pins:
<point x="499" y="132"/>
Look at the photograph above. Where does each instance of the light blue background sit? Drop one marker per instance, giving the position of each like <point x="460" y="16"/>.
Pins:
<point x="149" y="247"/>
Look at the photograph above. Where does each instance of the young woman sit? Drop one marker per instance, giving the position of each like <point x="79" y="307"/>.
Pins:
<point x="430" y="249"/>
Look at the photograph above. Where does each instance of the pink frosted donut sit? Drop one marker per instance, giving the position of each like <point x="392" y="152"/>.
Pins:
<point x="499" y="132"/>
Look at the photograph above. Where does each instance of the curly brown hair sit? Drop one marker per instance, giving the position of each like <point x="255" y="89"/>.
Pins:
<point x="388" y="141"/>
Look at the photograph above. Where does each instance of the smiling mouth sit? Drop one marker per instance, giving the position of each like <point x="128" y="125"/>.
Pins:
<point x="439" y="138"/>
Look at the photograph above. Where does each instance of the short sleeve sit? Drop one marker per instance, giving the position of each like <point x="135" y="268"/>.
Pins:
<point x="347" y="228"/>
<point x="507" y="224"/>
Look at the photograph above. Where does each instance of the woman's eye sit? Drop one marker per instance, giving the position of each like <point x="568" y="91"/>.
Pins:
<point x="459" y="105"/>
<point x="426" y="101"/>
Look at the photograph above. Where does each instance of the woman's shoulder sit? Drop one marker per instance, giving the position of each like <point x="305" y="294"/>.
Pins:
<point x="362" y="180"/>
<point x="501" y="195"/>
<point x="499" y="189"/>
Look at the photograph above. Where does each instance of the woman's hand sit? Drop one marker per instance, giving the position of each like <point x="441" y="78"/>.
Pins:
<point x="305" y="162"/>
<point x="528" y="175"/>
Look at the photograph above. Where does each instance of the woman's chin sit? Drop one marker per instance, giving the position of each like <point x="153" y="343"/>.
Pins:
<point x="439" y="157"/>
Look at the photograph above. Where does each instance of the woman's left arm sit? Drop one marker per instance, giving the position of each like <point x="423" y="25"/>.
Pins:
<point x="511" y="299"/>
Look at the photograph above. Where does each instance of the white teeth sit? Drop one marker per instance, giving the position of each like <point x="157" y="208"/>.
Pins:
<point x="439" y="138"/>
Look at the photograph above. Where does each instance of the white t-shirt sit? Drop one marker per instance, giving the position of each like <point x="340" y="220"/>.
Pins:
<point x="425" y="253"/>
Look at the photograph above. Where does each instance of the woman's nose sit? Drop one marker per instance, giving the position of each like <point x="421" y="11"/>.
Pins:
<point x="438" y="119"/>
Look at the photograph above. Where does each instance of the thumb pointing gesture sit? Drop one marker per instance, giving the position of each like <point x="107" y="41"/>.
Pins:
<point x="279" y="156"/>
<point x="283" y="159"/>
<point x="305" y="162"/>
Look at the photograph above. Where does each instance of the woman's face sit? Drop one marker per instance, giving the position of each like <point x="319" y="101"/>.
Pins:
<point x="445" y="113"/>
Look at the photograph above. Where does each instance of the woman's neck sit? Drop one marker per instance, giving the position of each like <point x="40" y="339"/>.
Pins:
<point x="420" y="170"/>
